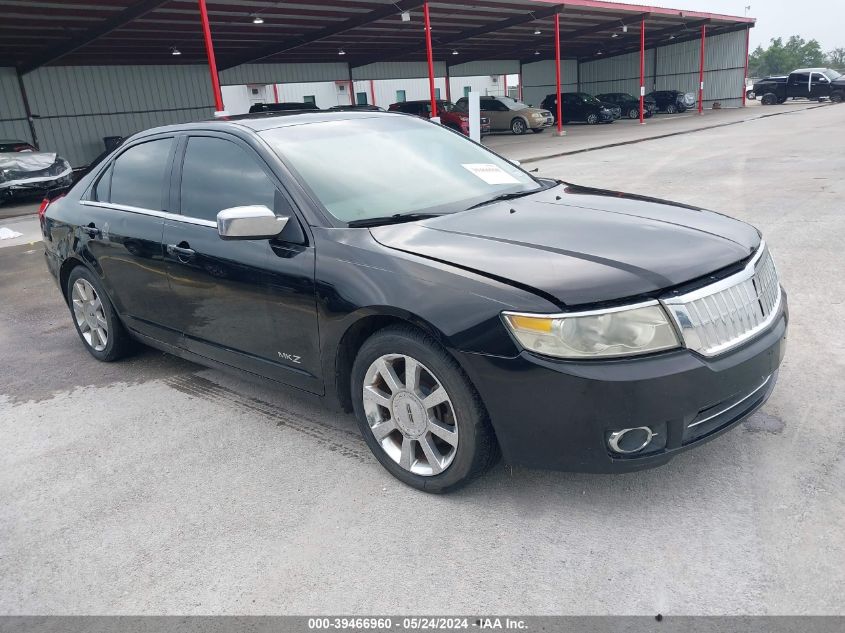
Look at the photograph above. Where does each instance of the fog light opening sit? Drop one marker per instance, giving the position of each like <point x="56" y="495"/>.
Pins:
<point x="628" y="441"/>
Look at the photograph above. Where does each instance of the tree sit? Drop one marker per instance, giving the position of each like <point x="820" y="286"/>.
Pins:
<point x="836" y="58"/>
<point x="781" y="58"/>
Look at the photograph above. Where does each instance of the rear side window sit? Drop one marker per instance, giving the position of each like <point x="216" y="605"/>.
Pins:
<point x="218" y="174"/>
<point x="138" y="175"/>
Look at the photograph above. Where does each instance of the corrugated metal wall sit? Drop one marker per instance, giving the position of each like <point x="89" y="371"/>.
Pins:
<point x="724" y="68"/>
<point x="13" y="125"/>
<point x="538" y="79"/>
<point x="397" y="70"/>
<point x="617" y="74"/>
<point x="284" y="73"/>
<point x="76" y="106"/>
<point x="485" y="67"/>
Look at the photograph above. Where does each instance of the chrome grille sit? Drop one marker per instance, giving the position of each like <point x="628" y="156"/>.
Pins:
<point x="720" y="316"/>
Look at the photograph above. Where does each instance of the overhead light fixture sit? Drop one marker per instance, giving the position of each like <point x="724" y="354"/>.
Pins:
<point x="537" y="31"/>
<point x="599" y="53"/>
<point x="672" y="37"/>
<point x="257" y="19"/>
<point x="454" y="52"/>
<point x="340" y="51"/>
<point x="615" y="35"/>
<point x="175" y="51"/>
<point x="624" y="28"/>
<point x="536" y="52"/>
<point x="406" y="16"/>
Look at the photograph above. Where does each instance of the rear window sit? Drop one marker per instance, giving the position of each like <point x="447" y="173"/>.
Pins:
<point x="138" y="175"/>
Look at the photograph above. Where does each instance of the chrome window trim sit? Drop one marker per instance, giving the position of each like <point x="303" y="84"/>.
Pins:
<point x="676" y="306"/>
<point x="733" y="406"/>
<point x="150" y="212"/>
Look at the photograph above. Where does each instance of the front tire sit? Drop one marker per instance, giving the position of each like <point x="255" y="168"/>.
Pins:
<point x="671" y="108"/>
<point x="592" y="119"/>
<point x="518" y="127"/>
<point x="769" y="99"/>
<point x="634" y="113"/>
<point x="95" y="318"/>
<point x="418" y="412"/>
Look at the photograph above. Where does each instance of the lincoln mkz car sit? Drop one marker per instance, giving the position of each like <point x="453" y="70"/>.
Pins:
<point x="460" y="306"/>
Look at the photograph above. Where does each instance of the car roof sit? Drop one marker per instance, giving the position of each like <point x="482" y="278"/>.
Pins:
<point x="260" y="121"/>
<point x="809" y="70"/>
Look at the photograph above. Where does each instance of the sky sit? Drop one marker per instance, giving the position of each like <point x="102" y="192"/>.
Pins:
<point x="823" y="20"/>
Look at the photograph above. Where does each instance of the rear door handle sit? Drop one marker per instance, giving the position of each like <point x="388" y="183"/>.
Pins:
<point x="92" y="230"/>
<point x="180" y="251"/>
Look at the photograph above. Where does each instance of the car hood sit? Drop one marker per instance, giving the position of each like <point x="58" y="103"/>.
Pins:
<point x="575" y="245"/>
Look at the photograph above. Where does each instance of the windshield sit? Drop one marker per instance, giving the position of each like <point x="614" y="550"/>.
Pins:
<point x="513" y="104"/>
<point x="832" y="74"/>
<point x="380" y="166"/>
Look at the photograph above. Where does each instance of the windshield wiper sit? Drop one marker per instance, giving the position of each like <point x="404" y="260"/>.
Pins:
<point x="506" y="196"/>
<point x="392" y="219"/>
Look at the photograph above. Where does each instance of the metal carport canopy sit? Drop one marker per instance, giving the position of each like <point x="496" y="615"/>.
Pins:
<point x="34" y="33"/>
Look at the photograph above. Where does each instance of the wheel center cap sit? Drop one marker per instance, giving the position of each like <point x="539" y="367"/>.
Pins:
<point x="409" y="414"/>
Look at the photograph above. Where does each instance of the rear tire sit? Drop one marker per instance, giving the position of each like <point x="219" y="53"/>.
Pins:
<point x="671" y="108"/>
<point x="592" y="119"/>
<point x="634" y="113"/>
<point x="769" y="98"/>
<point x="405" y="450"/>
<point x="837" y="97"/>
<point x="94" y="317"/>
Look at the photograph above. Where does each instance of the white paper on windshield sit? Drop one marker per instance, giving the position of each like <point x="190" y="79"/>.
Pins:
<point x="490" y="173"/>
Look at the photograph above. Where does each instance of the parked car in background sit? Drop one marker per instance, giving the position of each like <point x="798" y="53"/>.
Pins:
<point x="615" y="110"/>
<point x="359" y="107"/>
<point x="672" y="101"/>
<point x="509" y="114"/>
<point x="568" y="327"/>
<point x="450" y="115"/>
<point x="11" y="145"/>
<point x="805" y="83"/>
<point x="579" y="106"/>
<point x="29" y="172"/>
<point x="629" y="104"/>
<point x="287" y="106"/>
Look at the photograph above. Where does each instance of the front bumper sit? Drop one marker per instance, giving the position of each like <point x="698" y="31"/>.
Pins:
<point x="558" y="414"/>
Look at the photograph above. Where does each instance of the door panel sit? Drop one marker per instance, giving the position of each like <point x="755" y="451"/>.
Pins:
<point x="126" y="241"/>
<point x="250" y="304"/>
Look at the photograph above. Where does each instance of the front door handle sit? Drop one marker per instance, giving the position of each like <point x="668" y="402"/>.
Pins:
<point x="92" y="230"/>
<point x="181" y="252"/>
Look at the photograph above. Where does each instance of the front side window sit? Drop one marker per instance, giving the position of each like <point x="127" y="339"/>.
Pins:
<point x="138" y="175"/>
<point x="410" y="166"/>
<point x="309" y="99"/>
<point x="218" y="174"/>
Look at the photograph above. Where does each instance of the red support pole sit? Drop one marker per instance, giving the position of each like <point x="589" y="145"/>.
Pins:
<point x="209" y="51"/>
<point x="372" y="92"/>
<point x="745" y="74"/>
<point x="276" y="92"/>
<point x="351" y="93"/>
<point x="430" y="54"/>
<point x="701" y="71"/>
<point x="557" y="76"/>
<point x="642" y="72"/>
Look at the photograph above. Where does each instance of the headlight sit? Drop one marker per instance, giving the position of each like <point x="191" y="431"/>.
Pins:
<point x="625" y="331"/>
<point x="538" y="115"/>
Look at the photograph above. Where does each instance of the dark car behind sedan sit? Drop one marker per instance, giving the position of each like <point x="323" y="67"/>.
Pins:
<point x="672" y="101"/>
<point x="580" y="107"/>
<point x="629" y="104"/>
<point x="460" y="306"/>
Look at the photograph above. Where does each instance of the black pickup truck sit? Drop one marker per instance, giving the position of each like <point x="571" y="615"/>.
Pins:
<point x="804" y="83"/>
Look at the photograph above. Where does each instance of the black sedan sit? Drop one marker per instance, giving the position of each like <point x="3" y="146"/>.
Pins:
<point x="580" y="106"/>
<point x="629" y="104"/>
<point x="458" y="305"/>
<point x="672" y="101"/>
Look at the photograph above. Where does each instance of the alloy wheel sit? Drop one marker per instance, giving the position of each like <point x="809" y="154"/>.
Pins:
<point x="592" y="119"/>
<point x="518" y="127"/>
<point x="634" y="114"/>
<point x="410" y="414"/>
<point x="90" y="315"/>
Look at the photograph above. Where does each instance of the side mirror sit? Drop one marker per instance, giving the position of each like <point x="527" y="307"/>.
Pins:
<point x="255" y="222"/>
